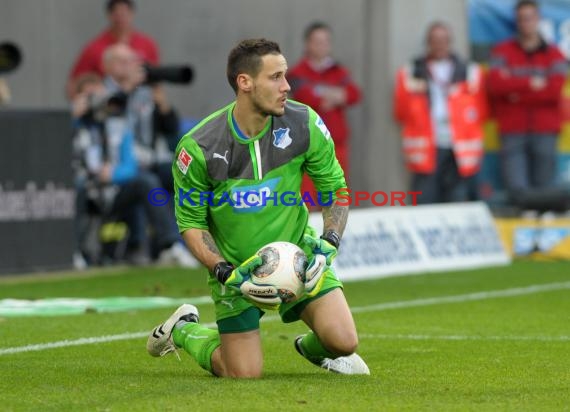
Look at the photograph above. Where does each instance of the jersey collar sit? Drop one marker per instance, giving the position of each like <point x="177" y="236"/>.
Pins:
<point x="238" y="134"/>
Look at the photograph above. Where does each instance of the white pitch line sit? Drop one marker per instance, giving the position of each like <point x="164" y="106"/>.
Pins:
<point x="466" y="337"/>
<point x="79" y="342"/>
<point x="527" y="290"/>
<point x="76" y="342"/>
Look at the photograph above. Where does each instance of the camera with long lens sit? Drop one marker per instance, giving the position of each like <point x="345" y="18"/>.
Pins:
<point x="103" y="107"/>
<point x="176" y="74"/>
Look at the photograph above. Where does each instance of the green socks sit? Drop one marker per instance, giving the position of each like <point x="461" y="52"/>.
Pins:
<point x="313" y="350"/>
<point x="199" y="341"/>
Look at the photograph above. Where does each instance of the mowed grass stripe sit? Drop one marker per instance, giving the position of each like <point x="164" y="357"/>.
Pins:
<point x="519" y="291"/>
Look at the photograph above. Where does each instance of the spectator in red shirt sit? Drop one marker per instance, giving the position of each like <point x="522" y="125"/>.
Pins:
<point x="525" y="83"/>
<point x="120" y="14"/>
<point x="321" y="82"/>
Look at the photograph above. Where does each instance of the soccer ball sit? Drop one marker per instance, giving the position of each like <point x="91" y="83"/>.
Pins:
<point x="283" y="267"/>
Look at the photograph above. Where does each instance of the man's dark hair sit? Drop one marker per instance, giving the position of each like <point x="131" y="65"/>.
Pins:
<point x="246" y="58"/>
<point x="524" y="3"/>
<point x="314" y="26"/>
<point x="112" y="3"/>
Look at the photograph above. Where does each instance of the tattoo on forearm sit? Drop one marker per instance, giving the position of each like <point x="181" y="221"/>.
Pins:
<point x="335" y="218"/>
<point x="209" y="243"/>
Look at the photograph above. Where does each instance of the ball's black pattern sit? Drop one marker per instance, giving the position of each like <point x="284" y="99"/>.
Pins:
<point x="300" y="265"/>
<point x="270" y="258"/>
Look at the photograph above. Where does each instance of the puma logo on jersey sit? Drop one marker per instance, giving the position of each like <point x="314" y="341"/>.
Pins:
<point x="219" y="156"/>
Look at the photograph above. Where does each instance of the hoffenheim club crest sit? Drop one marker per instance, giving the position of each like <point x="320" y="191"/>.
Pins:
<point x="281" y="138"/>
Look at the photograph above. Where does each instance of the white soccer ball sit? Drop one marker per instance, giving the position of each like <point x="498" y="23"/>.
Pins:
<point x="283" y="267"/>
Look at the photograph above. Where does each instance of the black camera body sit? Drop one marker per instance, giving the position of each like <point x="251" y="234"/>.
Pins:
<point x="102" y="108"/>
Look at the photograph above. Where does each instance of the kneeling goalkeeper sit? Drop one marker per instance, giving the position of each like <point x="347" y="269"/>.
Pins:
<point x="259" y="145"/>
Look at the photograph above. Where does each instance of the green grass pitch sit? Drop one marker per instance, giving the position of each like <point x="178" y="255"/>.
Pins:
<point x="487" y="352"/>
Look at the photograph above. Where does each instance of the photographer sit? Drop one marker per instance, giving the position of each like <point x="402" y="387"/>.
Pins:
<point x="121" y="29"/>
<point x="152" y="118"/>
<point x="110" y="178"/>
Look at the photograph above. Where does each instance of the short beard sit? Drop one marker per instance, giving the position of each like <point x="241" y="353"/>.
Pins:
<point x="263" y="111"/>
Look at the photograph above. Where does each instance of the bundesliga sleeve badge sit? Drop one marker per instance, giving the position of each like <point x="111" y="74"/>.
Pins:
<point x="323" y="127"/>
<point x="183" y="161"/>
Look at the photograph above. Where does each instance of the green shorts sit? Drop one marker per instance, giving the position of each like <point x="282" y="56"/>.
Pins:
<point x="234" y="313"/>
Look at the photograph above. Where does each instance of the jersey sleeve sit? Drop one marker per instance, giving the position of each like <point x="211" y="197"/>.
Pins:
<point x="321" y="163"/>
<point x="190" y="183"/>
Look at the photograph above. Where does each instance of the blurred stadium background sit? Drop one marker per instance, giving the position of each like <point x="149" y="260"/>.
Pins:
<point x="371" y="37"/>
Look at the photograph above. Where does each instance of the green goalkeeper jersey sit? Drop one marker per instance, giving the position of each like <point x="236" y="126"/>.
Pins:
<point x="246" y="191"/>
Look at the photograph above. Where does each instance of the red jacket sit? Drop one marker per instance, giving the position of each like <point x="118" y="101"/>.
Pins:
<point x="518" y="108"/>
<point x="305" y="82"/>
<point x="91" y="57"/>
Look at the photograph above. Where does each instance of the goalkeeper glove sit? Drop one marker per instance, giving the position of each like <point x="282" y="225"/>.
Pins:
<point x="324" y="251"/>
<point x="265" y="297"/>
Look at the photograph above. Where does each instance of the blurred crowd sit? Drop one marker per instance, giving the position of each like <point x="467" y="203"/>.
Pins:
<point x="126" y="129"/>
<point x="442" y="102"/>
<point x="125" y="135"/>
